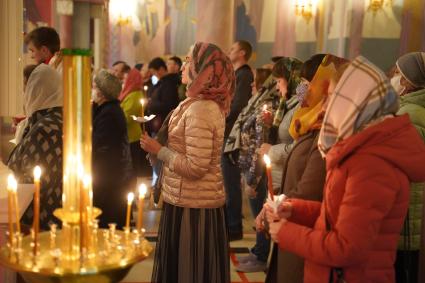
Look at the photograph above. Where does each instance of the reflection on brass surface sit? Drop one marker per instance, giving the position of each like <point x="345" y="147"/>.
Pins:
<point x="111" y="260"/>
<point x="74" y="217"/>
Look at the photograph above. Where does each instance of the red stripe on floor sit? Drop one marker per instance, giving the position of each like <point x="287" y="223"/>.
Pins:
<point x="241" y="274"/>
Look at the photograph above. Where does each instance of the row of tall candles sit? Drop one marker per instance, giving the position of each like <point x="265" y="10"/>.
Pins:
<point x="85" y="209"/>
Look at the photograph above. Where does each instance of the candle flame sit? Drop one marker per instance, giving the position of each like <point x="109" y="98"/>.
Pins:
<point x="12" y="184"/>
<point x="142" y="190"/>
<point x="145" y="87"/>
<point x="267" y="160"/>
<point x="37" y="173"/>
<point x="265" y="107"/>
<point x="142" y="101"/>
<point x="87" y="181"/>
<point x="130" y="198"/>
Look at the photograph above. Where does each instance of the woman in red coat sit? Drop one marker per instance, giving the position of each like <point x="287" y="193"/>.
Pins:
<point x="371" y="157"/>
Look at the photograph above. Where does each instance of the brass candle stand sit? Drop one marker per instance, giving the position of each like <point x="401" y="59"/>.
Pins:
<point x="79" y="251"/>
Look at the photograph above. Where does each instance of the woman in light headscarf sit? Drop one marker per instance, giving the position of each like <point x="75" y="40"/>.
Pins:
<point x="41" y="142"/>
<point x="130" y="103"/>
<point x="192" y="239"/>
<point x="303" y="169"/>
<point x="370" y="158"/>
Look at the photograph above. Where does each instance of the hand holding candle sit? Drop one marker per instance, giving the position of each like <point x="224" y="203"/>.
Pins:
<point x="36" y="220"/>
<point x="142" y="192"/>
<point x="130" y="198"/>
<point x="269" y="176"/>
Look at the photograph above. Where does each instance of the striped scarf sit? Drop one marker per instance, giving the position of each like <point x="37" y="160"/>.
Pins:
<point x="363" y="94"/>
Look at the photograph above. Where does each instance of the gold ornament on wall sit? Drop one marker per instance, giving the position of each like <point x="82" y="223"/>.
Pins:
<point x="305" y="8"/>
<point x="377" y="5"/>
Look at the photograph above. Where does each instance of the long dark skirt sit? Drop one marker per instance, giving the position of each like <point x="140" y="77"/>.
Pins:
<point x="192" y="246"/>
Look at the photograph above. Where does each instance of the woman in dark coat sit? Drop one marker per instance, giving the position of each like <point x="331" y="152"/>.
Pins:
<point x="111" y="157"/>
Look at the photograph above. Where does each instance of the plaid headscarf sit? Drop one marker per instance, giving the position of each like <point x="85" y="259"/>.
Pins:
<point x="310" y="115"/>
<point x="293" y="65"/>
<point x="362" y="95"/>
<point x="211" y="75"/>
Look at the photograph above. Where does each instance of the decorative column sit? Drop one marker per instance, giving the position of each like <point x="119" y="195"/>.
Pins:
<point x="216" y="22"/>
<point x="11" y="63"/>
<point x="412" y="36"/>
<point x="285" y="41"/>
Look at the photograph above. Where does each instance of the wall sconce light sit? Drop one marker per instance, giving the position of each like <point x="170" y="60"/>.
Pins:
<point x="121" y="12"/>
<point x="376" y="5"/>
<point x="305" y="8"/>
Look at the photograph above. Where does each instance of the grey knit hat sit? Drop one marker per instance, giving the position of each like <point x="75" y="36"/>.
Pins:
<point x="108" y="84"/>
<point x="412" y="67"/>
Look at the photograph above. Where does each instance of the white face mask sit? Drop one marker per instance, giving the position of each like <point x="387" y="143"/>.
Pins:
<point x="94" y="96"/>
<point x="396" y="83"/>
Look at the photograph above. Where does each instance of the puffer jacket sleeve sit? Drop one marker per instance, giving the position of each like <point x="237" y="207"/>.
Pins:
<point x="370" y="193"/>
<point x="203" y="126"/>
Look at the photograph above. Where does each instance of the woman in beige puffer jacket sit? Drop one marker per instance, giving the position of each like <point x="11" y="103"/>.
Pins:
<point x="192" y="239"/>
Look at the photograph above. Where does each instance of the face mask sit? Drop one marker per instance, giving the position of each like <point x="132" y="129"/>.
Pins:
<point x="395" y="82"/>
<point x="95" y="96"/>
<point x="302" y="90"/>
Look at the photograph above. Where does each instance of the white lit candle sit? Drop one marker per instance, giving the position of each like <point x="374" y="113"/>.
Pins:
<point x="10" y="181"/>
<point x="142" y="192"/>
<point x="130" y="198"/>
<point x="36" y="220"/>
<point x="269" y="175"/>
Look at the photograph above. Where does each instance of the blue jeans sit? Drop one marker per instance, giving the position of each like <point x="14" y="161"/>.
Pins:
<point x="262" y="243"/>
<point x="232" y="185"/>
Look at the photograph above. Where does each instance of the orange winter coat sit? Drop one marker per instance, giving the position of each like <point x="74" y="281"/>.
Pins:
<point x="366" y="199"/>
<point x="195" y="133"/>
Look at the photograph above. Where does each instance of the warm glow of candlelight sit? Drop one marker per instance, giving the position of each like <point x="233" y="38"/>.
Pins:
<point x="14" y="190"/>
<point x="11" y="182"/>
<point x="37" y="173"/>
<point x="142" y="190"/>
<point x="269" y="175"/>
<point x="86" y="181"/>
<point x="145" y="88"/>
<point x="142" y="101"/>
<point x="265" y="107"/>
<point x="36" y="219"/>
<point x="267" y="160"/>
<point x="130" y="198"/>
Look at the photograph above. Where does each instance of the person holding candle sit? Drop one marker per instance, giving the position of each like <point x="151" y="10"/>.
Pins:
<point x="303" y="172"/>
<point x="192" y="237"/>
<point x="371" y="156"/>
<point x="111" y="159"/>
<point x="41" y="143"/>
<point x="254" y="132"/>
<point x="130" y="97"/>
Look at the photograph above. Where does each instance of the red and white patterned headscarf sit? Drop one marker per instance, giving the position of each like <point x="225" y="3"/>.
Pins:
<point x="211" y="75"/>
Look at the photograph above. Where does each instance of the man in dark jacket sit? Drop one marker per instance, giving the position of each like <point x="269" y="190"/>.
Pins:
<point x="239" y="54"/>
<point x="164" y="96"/>
<point x="111" y="157"/>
